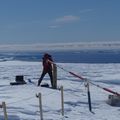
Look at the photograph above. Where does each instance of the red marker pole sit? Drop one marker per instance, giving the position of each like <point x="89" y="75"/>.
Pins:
<point x="81" y="78"/>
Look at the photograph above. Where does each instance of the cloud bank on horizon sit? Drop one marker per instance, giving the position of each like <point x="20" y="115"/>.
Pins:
<point x="62" y="46"/>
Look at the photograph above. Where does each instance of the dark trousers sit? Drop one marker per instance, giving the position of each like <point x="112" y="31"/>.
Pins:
<point x="42" y="76"/>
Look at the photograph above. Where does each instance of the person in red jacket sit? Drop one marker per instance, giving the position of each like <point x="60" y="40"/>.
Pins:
<point x="47" y="68"/>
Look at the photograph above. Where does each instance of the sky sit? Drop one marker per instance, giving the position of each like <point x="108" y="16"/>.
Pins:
<point x="59" y="21"/>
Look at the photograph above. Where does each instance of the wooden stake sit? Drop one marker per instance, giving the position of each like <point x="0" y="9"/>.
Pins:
<point x="4" y="110"/>
<point x="54" y="76"/>
<point x="40" y="106"/>
<point x="62" y="100"/>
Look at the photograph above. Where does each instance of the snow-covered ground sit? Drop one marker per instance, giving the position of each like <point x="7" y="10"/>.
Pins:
<point x="22" y="103"/>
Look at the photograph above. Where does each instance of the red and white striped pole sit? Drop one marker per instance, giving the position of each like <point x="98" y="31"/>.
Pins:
<point x="80" y="77"/>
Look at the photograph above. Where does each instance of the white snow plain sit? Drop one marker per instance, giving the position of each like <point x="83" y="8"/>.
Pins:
<point x="22" y="103"/>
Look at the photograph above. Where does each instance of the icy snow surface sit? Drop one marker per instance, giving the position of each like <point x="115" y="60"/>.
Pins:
<point x="22" y="103"/>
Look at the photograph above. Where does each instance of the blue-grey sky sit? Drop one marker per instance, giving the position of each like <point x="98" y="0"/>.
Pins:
<point x="59" y="21"/>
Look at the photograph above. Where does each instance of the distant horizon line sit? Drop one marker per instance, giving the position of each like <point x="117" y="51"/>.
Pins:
<point x="82" y="42"/>
<point x="61" y="46"/>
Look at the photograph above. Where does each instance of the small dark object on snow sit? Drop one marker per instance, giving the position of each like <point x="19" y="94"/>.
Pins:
<point x="114" y="100"/>
<point x="44" y="85"/>
<point x="19" y="80"/>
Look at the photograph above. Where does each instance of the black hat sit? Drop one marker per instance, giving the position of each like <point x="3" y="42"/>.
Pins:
<point x="47" y="55"/>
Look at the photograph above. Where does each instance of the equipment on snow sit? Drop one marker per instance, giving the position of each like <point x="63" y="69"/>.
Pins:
<point x="19" y="80"/>
<point x="114" y="100"/>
